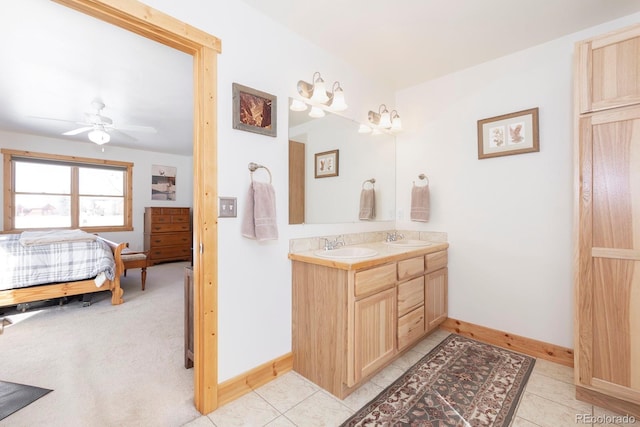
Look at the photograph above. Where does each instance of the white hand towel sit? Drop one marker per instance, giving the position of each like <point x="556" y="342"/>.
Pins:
<point x="259" y="221"/>
<point x="420" y="203"/>
<point x="367" y="204"/>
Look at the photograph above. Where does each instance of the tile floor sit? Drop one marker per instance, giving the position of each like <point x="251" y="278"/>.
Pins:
<point x="292" y="400"/>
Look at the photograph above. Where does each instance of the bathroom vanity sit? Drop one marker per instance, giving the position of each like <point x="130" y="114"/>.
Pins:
<point x="353" y="316"/>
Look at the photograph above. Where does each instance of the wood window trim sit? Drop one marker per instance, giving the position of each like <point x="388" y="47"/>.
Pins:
<point x="9" y="185"/>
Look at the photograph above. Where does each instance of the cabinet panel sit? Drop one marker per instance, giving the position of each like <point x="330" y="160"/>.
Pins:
<point x="435" y="261"/>
<point x="374" y="332"/>
<point x="615" y="71"/>
<point x="410" y="327"/>
<point x="410" y="295"/>
<point x="375" y="279"/>
<point x="436" y="299"/>
<point x="410" y="267"/>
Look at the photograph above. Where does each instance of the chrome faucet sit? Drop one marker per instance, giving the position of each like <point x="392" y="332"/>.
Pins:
<point x="393" y="237"/>
<point x="332" y="244"/>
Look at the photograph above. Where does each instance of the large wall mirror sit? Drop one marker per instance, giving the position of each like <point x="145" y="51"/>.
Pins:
<point x="329" y="192"/>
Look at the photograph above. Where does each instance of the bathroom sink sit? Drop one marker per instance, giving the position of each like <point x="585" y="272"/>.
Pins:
<point x="346" y="253"/>
<point x="408" y="243"/>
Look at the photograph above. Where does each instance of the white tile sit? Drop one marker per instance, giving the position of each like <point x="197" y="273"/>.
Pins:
<point x="407" y="360"/>
<point x="557" y="391"/>
<point x="285" y="392"/>
<point x="546" y="413"/>
<point x="387" y="376"/>
<point x="202" y="421"/>
<point x="248" y="410"/>
<point x="554" y="370"/>
<point x="319" y="410"/>
<point x="281" y="421"/>
<point x="609" y="418"/>
<point x="362" y="395"/>
<point x="521" y="422"/>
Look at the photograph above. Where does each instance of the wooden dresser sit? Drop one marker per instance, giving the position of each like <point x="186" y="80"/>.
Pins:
<point x="167" y="234"/>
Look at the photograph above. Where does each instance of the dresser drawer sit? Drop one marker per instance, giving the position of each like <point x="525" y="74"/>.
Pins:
<point x="167" y="228"/>
<point x="410" y="295"/>
<point x="375" y="279"/>
<point x="169" y="252"/>
<point x="169" y="219"/>
<point x="410" y="267"/>
<point x="173" y="239"/>
<point x="435" y="261"/>
<point x="410" y="327"/>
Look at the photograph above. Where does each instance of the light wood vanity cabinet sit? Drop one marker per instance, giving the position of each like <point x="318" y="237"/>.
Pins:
<point x="352" y="320"/>
<point x="607" y="270"/>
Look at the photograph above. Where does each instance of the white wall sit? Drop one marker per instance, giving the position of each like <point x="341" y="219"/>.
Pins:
<point x="142" y="161"/>
<point x="254" y="280"/>
<point x="509" y="219"/>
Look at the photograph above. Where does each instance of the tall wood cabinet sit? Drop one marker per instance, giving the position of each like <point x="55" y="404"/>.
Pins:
<point x="167" y="234"/>
<point x="607" y="269"/>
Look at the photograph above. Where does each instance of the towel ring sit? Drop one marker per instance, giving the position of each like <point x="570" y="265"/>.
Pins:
<point x="422" y="177"/>
<point x="254" y="166"/>
<point x="372" y="181"/>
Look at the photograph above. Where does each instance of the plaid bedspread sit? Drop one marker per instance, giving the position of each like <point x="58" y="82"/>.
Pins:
<point x="22" y="266"/>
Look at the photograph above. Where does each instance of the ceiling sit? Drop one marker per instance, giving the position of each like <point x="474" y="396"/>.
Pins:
<point x="56" y="61"/>
<point x="406" y="42"/>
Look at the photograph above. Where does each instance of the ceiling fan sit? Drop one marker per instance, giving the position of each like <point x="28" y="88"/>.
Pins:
<point x="99" y="126"/>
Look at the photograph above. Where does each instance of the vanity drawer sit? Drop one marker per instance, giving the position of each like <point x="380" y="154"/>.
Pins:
<point x="410" y="267"/>
<point x="435" y="261"/>
<point x="410" y="327"/>
<point x="375" y="279"/>
<point x="410" y="295"/>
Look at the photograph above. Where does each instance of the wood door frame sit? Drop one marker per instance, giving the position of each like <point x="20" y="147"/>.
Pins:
<point x="155" y="25"/>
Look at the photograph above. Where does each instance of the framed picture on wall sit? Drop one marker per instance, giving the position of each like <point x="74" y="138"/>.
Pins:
<point x="254" y="110"/>
<point x="326" y="164"/>
<point x="514" y="133"/>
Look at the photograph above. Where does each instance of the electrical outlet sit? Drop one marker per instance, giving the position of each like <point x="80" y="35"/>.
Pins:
<point x="227" y="208"/>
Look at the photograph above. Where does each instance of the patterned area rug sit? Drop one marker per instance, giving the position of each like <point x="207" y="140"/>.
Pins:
<point x="461" y="382"/>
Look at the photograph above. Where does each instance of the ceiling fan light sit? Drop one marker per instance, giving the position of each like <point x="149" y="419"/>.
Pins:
<point x="99" y="137"/>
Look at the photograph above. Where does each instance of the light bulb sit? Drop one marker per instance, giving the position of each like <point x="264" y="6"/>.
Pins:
<point x="99" y="136"/>
<point x="316" y="112"/>
<point x="297" y="105"/>
<point x="319" y="91"/>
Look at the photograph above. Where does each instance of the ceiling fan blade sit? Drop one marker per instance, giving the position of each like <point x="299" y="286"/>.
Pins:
<point x="79" y="130"/>
<point x="135" y="128"/>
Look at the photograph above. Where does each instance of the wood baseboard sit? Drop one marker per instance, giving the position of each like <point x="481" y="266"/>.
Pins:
<point x="535" y="348"/>
<point x="611" y="403"/>
<point x="244" y="383"/>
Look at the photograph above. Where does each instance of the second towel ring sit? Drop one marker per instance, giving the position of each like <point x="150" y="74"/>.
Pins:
<point x="422" y="177"/>
<point x="254" y="166"/>
<point x="372" y="181"/>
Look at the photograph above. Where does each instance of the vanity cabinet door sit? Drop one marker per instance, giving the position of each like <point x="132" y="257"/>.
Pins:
<point x="374" y="333"/>
<point x="435" y="299"/>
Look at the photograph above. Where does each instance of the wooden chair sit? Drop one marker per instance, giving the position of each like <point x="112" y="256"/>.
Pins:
<point x="133" y="259"/>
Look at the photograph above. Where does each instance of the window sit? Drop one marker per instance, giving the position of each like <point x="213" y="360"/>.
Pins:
<point x="54" y="191"/>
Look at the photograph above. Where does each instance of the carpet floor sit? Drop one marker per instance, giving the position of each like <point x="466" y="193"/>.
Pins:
<point x="461" y="382"/>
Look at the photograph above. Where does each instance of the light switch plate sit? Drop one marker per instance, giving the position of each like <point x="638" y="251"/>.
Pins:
<point x="227" y="207"/>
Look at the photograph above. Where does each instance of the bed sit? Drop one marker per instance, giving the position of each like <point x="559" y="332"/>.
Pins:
<point x="37" y="266"/>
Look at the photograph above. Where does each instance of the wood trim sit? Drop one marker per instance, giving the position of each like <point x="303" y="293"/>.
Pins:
<point x="602" y="400"/>
<point x="613" y="389"/>
<point x="141" y="19"/>
<point x="629" y="254"/>
<point x="535" y="348"/>
<point x="242" y="384"/>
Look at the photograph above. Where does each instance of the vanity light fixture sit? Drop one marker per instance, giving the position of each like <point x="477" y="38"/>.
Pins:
<point x="99" y="136"/>
<point x="316" y="112"/>
<point x="384" y="119"/>
<point x="297" y="105"/>
<point x="317" y="94"/>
